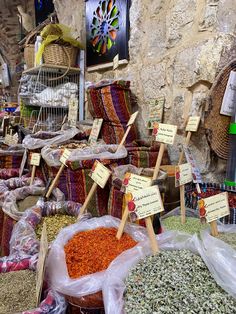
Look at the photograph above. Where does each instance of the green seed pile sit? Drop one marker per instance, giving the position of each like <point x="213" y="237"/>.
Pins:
<point x="192" y="225"/>
<point x="229" y="238"/>
<point x="17" y="291"/>
<point x="174" y="282"/>
<point x="54" y="225"/>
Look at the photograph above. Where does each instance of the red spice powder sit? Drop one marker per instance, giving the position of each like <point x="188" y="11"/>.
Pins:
<point x="93" y="250"/>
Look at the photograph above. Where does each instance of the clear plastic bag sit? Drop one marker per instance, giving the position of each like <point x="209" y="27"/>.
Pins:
<point x="56" y="264"/>
<point x="24" y="239"/>
<point x="10" y="206"/>
<point x="96" y="151"/>
<point x="114" y="287"/>
<point x="41" y="139"/>
<point x="221" y="258"/>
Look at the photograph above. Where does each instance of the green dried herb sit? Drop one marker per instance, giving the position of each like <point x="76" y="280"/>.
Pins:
<point x="192" y="225"/>
<point x="17" y="291"/>
<point x="229" y="238"/>
<point x="54" y="225"/>
<point x="175" y="282"/>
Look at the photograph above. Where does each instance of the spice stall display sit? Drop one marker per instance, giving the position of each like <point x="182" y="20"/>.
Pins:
<point x="18" y="289"/>
<point x="90" y="254"/>
<point x="75" y="181"/>
<point x="14" y="208"/>
<point x="11" y="156"/>
<point x="27" y="231"/>
<point x="210" y="189"/>
<point x="172" y="221"/>
<point x="176" y="280"/>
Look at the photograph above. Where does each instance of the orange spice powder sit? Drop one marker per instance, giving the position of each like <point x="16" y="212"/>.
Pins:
<point x="92" y="251"/>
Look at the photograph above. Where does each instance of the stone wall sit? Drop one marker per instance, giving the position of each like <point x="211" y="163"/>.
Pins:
<point x="176" y="49"/>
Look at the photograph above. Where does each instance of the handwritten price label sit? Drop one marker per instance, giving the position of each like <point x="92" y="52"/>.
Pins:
<point x="132" y="118"/>
<point x="144" y="203"/>
<point x="65" y="156"/>
<point x="133" y="182"/>
<point x="97" y="124"/>
<point x="100" y="174"/>
<point x="183" y="174"/>
<point x="193" y="124"/>
<point x="35" y="159"/>
<point x="197" y="178"/>
<point x="165" y="133"/>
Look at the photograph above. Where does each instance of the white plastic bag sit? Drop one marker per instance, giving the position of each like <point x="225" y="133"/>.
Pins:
<point x="113" y="285"/>
<point x="220" y="258"/>
<point x="34" y="141"/>
<point x="96" y="151"/>
<point x="56" y="263"/>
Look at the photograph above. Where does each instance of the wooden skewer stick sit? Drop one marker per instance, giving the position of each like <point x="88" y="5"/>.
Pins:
<point x="186" y="142"/>
<point x="152" y="236"/>
<point x="54" y="182"/>
<point x="32" y="175"/>
<point x="124" y="137"/>
<point x="182" y="204"/>
<point x="88" y="199"/>
<point x="158" y="162"/>
<point x="214" y="229"/>
<point x="122" y="224"/>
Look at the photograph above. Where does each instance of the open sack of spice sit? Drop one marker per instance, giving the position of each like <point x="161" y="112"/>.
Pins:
<point x="42" y="138"/>
<point x="176" y="280"/>
<point x="6" y="174"/>
<point x="27" y="231"/>
<point x="81" y="253"/>
<point x="18" y="288"/>
<point x="193" y="224"/>
<point x="222" y="250"/>
<point x="83" y="151"/>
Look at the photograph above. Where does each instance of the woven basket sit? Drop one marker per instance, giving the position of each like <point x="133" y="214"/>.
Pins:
<point x="29" y="52"/>
<point x="60" y="55"/>
<point x="217" y="124"/>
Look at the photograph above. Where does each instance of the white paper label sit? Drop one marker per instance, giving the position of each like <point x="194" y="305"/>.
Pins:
<point x="155" y="112"/>
<point x="165" y="133"/>
<point x="73" y="112"/>
<point x="193" y="124"/>
<point x="100" y="174"/>
<point x="97" y="124"/>
<point x="116" y="62"/>
<point x="229" y="99"/>
<point x="133" y="182"/>
<point x="65" y="156"/>
<point x="197" y="178"/>
<point x="35" y="159"/>
<point x="183" y="174"/>
<point x="132" y="118"/>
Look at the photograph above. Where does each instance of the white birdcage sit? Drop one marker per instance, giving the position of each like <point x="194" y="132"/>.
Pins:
<point x="45" y="94"/>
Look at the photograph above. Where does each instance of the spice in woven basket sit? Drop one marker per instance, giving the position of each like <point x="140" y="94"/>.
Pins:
<point x="174" y="282"/>
<point x="229" y="238"/>
<point x="54" y="225"/>
<point x="192" y="225"/>
<point x="28" y="202"/>
<point x="92" y="251"/>
<point x="18" y="291"/>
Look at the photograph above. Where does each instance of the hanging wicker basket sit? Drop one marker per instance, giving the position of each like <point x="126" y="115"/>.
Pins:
<point x="57" y="54"/>
<point x="29" y="52"/>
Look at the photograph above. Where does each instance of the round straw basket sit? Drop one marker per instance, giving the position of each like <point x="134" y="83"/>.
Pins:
<point x="217" y="124"/>
<point x="60" y="55"/>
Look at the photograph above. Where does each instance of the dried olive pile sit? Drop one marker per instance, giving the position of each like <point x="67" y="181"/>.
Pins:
<point x="54" y="225"/>
<point x="229" y="238"/>
<point x="17" y="291"/>
<point x="174" y="282"/>
<point x="192" y="225"/>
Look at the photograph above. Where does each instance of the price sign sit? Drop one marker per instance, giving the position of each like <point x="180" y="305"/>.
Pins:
<point x="35" y="159"/>
<point x="214" y="207"/>
<point x="97" y="124"/>
<point x="132" y="118"/>
<point x="144" y="203"/>
<point x="229" y="100"/>
<point x="197" y="178"/>
<point x="41" y="263"/>
<point x="65" y="156"/>
<point x="156" y="107"/>
<point x="100" y="174"/>
<point x="165" y="133"/>
<point x="73" y="111"/>
<point x="133" y="182"/>
<point x="183" y="174"/>
<point x="193" y="124"/>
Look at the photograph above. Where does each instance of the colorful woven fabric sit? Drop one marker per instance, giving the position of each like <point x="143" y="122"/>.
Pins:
<point x="192" y="197"/>
<point x="8" y="224"/>
<point x="9" y="173"/>
<point x="111" y="102"/>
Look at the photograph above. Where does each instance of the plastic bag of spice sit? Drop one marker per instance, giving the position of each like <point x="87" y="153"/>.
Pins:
<point x="52" y="303"/>
<point x="27" y="231"/>
<point x="99" y="151"/>
<point x="87" y="285"/>
<point x="41" y="139"/>
<point x="114" y="287"/>
<point x="220" y="251"/>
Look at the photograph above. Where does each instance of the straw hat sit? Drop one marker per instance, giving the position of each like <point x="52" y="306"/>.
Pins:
<point x="217" y="124"/>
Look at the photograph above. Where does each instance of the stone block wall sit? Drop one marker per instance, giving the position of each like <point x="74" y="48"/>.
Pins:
<point x="176" y="49"/>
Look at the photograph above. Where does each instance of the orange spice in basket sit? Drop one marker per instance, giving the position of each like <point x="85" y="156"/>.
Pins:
<point x="92" y="251"/>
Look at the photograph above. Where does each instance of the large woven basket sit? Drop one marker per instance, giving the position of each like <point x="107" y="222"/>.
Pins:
<point x="29" y="51"/>
<point x="57" y="54"/>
